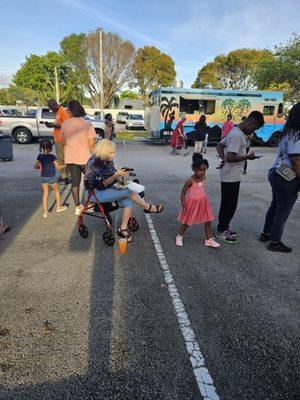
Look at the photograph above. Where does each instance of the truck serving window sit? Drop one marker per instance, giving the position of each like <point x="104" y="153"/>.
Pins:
<point x="269" y="110"/>
<point x="189" y="106"/>
<point x="280" y="111"/>
<point x="207" y="107"/>
<point x="195" y="106"/>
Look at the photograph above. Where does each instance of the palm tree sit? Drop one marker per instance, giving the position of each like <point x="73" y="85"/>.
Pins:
<point x="167" y="106"/>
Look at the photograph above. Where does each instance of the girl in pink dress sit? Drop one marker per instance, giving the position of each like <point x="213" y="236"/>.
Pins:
<point x="196" y="207"/>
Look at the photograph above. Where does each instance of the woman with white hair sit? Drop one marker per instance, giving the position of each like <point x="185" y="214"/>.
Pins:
<point x="102" y="175"/>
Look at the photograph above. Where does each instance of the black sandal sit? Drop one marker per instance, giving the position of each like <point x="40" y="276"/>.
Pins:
<point x="123" y="233"/>
<point x="157" y="211"/>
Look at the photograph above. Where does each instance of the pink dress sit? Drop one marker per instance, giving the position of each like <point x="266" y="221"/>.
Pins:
<point x="197" y="208"/>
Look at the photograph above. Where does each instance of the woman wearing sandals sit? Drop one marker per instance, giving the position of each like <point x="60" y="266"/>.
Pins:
<point x="101" y="168"/>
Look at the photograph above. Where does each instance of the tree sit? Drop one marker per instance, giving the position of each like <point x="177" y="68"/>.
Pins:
<point x="3" y="97"/>
<point x="118" y="57"/>
<point x="152" y="69"/>
<point x="128" y="94"/>
<point x="81" y="53"/>
<point x="37" y="74"/>
<point x="236" y="70"/>
<point x="283" y="72"/>
<point x="23" y="96"/>
<point x="72" y="51"/>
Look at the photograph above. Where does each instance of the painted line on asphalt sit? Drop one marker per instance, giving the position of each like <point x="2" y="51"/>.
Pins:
<point x="202" y="375"/>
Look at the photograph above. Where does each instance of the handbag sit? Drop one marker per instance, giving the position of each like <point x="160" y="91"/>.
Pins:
<point x="285" y="171"/>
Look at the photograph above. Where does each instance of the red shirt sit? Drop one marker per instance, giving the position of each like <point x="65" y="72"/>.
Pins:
<point x="226" y="128"/>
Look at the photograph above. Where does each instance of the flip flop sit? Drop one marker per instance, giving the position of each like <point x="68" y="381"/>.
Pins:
<point x="159" y="209"/>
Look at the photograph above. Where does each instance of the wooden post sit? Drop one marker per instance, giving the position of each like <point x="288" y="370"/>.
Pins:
<point x="57" y="94"/>
<point x="101" y="71"/>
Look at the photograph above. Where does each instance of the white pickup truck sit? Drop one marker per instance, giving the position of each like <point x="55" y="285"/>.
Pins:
<point x="27" y="129"/>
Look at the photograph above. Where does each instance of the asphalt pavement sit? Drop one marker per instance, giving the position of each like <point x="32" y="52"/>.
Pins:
<point x="80" y="321"/>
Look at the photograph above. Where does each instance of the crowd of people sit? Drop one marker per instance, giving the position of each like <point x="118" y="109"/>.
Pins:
<point x="234" y="153"/>
<point x="77" y="153"/>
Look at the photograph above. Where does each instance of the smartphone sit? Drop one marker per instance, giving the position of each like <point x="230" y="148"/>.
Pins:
<point x="127" y="169"/>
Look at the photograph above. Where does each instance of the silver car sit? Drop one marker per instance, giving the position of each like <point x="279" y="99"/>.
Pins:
<point x="135" y="121"/>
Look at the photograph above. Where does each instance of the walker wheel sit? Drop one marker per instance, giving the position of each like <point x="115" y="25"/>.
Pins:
<point x="133" y="225"/>
<point x="83" y="231"/>
<point x="108" y="238"/>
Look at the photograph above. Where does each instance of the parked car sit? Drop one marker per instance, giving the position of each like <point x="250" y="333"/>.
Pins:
<point x="27" y="129"/>
<point x="122" y="117"/>
<point x="5" y="112"/>
<point x="135" y="121"/>
<point x="10" y="111"/>
<point x="30" y="113"/>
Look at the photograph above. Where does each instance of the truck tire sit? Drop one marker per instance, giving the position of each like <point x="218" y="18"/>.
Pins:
<point x="274" y="139"/>
<point x="23" y="136"/>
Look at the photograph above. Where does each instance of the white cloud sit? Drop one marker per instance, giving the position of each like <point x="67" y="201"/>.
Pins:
<point x="208" y="30"/>
<point x="93" y="14"/>
<point x="5" y="80"/>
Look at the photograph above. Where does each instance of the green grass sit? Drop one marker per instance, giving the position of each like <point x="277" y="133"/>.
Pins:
<point x="129" y="135"/>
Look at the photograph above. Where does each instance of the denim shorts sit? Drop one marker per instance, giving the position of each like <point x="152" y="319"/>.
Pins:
<point x="51" y="180"/>
<point x="108" y="195"/>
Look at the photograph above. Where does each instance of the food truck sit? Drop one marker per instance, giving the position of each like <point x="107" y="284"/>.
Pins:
<point x="169" y="104"/>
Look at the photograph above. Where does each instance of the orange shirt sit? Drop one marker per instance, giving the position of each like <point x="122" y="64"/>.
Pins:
<point x="61" y="116"/>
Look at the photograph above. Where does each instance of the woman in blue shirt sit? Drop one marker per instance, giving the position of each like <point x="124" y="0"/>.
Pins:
<point x="101" y="176"/>
<point x="284" y="192"/>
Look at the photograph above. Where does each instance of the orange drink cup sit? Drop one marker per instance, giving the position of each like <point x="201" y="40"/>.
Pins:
<point x="122" y="246"/>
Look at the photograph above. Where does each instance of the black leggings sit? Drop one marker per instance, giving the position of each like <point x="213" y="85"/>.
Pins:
<point x="75" y="172"/>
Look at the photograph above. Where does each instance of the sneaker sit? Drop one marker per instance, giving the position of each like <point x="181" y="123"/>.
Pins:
<point x="231" y="233"/>
<point x="280" y="247"/>
<point x="78" y="209"/>
<point x="244" y="173"/>
<point x="264" y="237"/>
<point x="226" y="238"/>
<point x="179" y="241"/>
<point x="45" y="215"/>
<point x="212" y="243"/>
<point x="61" y="209"/>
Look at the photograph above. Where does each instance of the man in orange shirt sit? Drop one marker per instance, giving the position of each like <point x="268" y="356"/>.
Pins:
<point x="62" y="114"/>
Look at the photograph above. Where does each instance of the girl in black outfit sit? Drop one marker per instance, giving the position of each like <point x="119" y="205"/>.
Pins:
<point x="200" y="134"/>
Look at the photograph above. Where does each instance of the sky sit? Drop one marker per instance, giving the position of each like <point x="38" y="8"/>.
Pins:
<point x="192" y="32"/>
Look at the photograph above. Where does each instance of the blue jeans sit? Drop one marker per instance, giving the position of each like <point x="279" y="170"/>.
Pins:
<point x="110" y="194"/>
<point x="284" y="197"/>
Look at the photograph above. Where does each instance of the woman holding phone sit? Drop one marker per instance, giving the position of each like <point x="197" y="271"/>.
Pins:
<point x="284" y="192"/>
<point x="102" y="176"/>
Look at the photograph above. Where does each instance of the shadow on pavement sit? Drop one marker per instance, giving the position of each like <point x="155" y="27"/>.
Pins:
<point x="102" y="380"/>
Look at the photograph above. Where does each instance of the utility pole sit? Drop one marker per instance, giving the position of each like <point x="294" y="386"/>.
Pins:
<point x="101" y="71"/>
<point x="57" y="95"/>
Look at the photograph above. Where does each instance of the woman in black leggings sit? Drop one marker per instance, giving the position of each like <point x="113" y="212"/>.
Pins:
<point x="79" y="141"/>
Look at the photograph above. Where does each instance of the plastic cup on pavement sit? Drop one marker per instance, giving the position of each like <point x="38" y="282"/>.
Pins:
<point x="122" y="246"/>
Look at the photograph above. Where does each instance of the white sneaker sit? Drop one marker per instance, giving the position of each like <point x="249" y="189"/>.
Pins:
<point x="212" y="243"/>
<point x="61" y="209"/>
<point x="179" y="241"/>
<point x="78" y="209"/>
<point x="45" y="215"/>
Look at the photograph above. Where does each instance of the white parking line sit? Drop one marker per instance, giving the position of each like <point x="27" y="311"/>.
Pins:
<point x="202" y="375"/>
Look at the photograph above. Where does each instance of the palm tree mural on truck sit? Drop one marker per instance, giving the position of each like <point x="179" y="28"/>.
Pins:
<point x="167" y="106"/>
<point x="238" y="110"/>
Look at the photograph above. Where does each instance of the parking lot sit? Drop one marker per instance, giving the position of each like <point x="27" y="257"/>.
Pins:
<point x="80" y="321"/>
